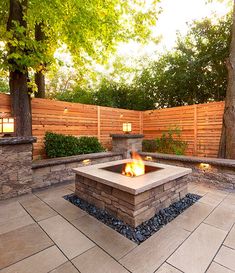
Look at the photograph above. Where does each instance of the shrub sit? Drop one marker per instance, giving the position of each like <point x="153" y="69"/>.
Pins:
<point x="58" y="145"/>
<point x="89" y="145"/>
<point x="149" y="145"/>
<point x="171" y="143"/>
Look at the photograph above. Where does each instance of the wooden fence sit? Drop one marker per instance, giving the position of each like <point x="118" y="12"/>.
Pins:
<point x="75" y="119"/>
<point x="200" y="124"/>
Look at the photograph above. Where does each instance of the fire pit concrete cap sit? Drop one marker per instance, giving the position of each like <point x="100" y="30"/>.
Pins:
<point x="133" y="185"/>
<point x="126" y="135"/>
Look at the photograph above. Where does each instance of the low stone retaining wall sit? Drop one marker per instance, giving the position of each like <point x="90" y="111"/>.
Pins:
<point x="15" y="166"/>
<point x="57" y="170"/>
<point x="132" y="209"/>
<point x="220" y="172"/>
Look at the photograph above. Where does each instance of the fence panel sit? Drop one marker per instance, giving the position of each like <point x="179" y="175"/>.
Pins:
<point x="200" y="124"/>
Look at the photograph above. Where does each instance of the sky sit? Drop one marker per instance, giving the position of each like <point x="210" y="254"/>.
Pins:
<point x="174" y="17"/>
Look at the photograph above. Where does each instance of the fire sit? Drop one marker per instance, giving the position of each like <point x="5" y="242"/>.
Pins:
<point x="134" y="168"/>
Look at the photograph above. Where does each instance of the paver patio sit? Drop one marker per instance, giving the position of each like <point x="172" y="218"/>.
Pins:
<point x="42" y="233"/>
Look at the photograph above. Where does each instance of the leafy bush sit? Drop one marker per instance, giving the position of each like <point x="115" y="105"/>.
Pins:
<point x="171" y="143"/>
<point x="149" y="145"/>
<point x="168" y="143"/>
<point x="58" y="145"/>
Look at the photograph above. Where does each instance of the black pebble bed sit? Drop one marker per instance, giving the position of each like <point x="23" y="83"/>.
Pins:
<point x="146" y="229"/>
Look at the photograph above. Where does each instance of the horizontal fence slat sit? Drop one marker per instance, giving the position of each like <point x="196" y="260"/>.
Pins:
<point x="82" y="119"/>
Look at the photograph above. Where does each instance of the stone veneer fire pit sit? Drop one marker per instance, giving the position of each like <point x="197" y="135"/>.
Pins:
<point x="131" y="199"/>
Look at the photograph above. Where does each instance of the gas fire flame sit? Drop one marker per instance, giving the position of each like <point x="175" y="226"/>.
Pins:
<point x="134" y="168"/>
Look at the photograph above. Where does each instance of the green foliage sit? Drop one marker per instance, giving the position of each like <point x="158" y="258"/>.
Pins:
<point x="111" y="94"/>
<point x="90" y="29"/>
<point x="78" y="95"/>
<point x="89" y="145"/>
<point x="171" y="143"/>
<point x="4" y="86"/>
<point x="58" y="145"/>
<point x="195" y="71"/>
<point x="149" y="145"/>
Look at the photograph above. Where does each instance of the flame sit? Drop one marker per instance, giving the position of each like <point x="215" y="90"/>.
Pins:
<point x="134" y="168"/>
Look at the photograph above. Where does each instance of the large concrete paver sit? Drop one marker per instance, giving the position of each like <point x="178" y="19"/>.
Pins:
<point x="53" y="192"/>
<point x="147" y="257"/>
<point x="21" y="243"/>
<point x="54" y="198"/>
<point x="67" y="267"/>
<point x="70" y="240"/>
<point x="217" y="268"/>
<point x="65" y="208"/>
<point x="42" y="262"/>
<point x="197" y="252"/>
<point x="222" y="217"/>
<point x="13" y="216"/>
<point x="230" y="240"/>
<point x="230" y="199"/>
<point x="96" y="260"/>
<point x="193" y="216"/>
<point x="213" y="198"/>
<point x="226" y="257"/>
<point x="167" y="268"/>
<point x="37" y="208"/>
<point x="108" y="239"/>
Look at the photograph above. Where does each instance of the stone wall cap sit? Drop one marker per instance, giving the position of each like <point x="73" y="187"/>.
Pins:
<point x="17" y="140"/>
<point x="127" y="135"/>
<point x="70" y="159"/>
<point x="193" y="159"/>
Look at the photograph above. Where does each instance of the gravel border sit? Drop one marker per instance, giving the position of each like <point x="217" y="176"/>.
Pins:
<point x="146" y="229"/>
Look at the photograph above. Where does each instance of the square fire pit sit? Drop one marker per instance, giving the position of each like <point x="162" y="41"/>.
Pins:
<point x="131" y="199"/>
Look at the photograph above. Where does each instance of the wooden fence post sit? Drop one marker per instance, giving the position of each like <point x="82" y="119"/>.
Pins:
<point x="98" y="123"/>
<point x="195" y="129"/>
<point x="141" y="122"/>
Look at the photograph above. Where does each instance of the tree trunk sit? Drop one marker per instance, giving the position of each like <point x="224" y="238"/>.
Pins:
<point x="227" y="141"/>
<point x="40" y="82"/>
<point x="20" y="103"/>
<point x="20" y="99"/>
<point x="39" y="76"/>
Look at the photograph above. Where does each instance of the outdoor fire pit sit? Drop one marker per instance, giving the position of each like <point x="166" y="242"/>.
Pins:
<point x="131" y="189"/>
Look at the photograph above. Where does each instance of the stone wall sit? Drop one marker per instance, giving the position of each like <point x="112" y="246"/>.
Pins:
<point x="125" y="143"/>
<point x="15" y="166"/>
<point x="53" y="171"/>
<point x="132" y="209"/>
<point x="219" y="172"/>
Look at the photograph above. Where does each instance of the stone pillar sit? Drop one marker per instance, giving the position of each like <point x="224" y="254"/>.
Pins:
<point x="15" y="166"/>
<point x="125" y="143"/>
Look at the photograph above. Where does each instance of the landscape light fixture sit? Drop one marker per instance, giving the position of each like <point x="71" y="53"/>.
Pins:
<point x="7" y="126"/>
<point x="126" y="128"/>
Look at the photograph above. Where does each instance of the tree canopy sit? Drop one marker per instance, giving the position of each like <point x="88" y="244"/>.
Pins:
<point x="193" y="72"/>
<point x="90" y="29"/>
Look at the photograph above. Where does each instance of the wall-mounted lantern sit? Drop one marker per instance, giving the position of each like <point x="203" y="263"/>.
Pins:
<point x="7" y="126"/>
<point x="126" y="128"/>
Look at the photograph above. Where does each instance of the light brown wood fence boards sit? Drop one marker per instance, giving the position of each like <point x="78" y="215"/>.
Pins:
<point x="200" y="124"/>
<point x="74" y="119"/>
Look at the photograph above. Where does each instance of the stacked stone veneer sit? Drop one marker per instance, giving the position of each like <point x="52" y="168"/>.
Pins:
<point x="218" y="172"/>
<point x="58" y="170"/>
<point x="15" y="166"/>
<point x="132" y="209"/>
<point x="125" y="143"/>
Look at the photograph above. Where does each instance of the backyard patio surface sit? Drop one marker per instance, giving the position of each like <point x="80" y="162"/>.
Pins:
<point x="42" y="233"/>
